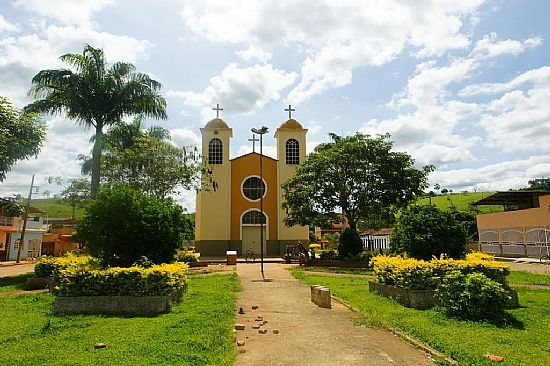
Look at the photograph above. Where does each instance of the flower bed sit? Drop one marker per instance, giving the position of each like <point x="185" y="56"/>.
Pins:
<point x="419" y="284"/>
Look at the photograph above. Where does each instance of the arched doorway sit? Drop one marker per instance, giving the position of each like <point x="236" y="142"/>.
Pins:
<point x="250" y="230"/>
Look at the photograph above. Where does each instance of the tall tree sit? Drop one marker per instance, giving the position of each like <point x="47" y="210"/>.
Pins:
<point x="96" y="95"/>
<point x="357" y="175"/>
<point x="21" y="136"/>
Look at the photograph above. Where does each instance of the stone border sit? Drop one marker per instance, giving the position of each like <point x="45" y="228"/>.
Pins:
<point x="421" y="299"/>
<point x="127" y="305"/>
<point x="37" y="283"/>
<point x="320" y="295"/>
<point x="337" y="264"/>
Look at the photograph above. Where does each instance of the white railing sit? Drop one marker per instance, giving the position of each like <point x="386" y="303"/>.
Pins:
<point x="6" y="221"/>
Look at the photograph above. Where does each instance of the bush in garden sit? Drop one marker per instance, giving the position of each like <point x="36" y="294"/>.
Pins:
<point x="479" y="256"/>
<point x="426" y="231"/>
<point x="472" y="296"/>
<point x="186" y="257"/>
<point x="350" y="244"/>
<point x="410" y="273"/>
<point x="122" y="224"/>
<point x="47" y="267"/>
<point x="328" y="255"/>
<point x="115" y="281"/>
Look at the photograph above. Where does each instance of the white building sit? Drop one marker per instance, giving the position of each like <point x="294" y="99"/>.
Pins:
<point x="376" y="240"/>
<point x="33" y="240"/>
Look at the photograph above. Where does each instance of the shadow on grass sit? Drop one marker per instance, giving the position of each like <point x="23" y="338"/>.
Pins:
<point x="501" y="321"/>
<point x="15" y="282"/>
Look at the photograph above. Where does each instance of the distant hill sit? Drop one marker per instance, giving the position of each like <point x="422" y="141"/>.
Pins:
<point x="461" y="201"/>
<point x="53" y="207"/>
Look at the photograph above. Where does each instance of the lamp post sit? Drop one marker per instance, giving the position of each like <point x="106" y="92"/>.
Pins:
<point x="26" y="218"/>
<point x="262" y="131"/>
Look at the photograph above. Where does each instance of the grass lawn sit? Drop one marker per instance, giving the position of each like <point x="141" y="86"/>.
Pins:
<point x="14" y="283"/>
<point x="340" y="270"/>
<point x="523" y="343"/>
<point x="198" y="331"/>
<point x="461" y="201"/>
<point x="56" y="208"/>
<point x="529" y="278"/>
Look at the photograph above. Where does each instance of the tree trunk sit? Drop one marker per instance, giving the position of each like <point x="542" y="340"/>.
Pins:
<point x="96" y="159"/>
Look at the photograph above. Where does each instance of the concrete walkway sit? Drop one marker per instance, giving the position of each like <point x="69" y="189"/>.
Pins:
<point x="308" y="335"/>
<point x="15" y="270"/>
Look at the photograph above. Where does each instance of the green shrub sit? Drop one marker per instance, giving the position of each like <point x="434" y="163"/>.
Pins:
<point x="410" y="273"/>
<point x="121" y="225"/>
<point x="363" y="257"/>
<point x="350" y="244"/>
<point x="328" y="255"/>
<point x="115" y="281"/>
<point x="426" y="231"/>
<point x="472" y="296"/>
<point x="47" y="267"/>
<point x="186" y="257"/>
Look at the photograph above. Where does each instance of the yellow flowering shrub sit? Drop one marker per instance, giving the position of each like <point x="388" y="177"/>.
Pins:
<point x="479" y="256"/>
<point x="156" y="280"/>
<point x="411" y="273"/>
<point x="47" y="267"/>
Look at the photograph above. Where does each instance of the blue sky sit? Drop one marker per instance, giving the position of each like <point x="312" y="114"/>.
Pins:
<point x="463" y="85"/>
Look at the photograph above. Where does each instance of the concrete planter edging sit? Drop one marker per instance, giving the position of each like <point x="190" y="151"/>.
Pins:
<point x="420" y="299"/>
<point x="128" y="305"/>
<point x="339" y="264"/>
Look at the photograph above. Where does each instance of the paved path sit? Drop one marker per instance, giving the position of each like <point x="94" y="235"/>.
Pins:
<point x="308" y="335"/>
<point x="7" y="271"/>
<point x="530" y="267"/>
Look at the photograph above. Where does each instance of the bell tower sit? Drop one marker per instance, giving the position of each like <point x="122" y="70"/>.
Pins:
<point x="291" y="152"/>
<point x="213" y="211"/>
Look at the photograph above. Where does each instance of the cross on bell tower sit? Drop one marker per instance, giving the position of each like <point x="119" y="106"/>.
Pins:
<point x="290" y="110"/>
<point x="217" y="109"/>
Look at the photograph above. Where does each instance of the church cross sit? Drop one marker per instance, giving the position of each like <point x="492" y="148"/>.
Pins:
<point x="217" y="109"/>
<point x="254" y="140"/>
<point x="290" y="110"/>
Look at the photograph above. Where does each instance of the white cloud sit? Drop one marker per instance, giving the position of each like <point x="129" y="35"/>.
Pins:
<point x="58" y="157"/>
<point x="313" y="127"/>
<point x="493" y="177"/>
<point x="432" y="132"/>
<point x="540" y="76"/>
<point x="6" y="26"/>
<point x="336" y="36"/>
<point x="65" y="11"/>
<point x="184" y="137"/>
<point x="255" y="53"/>
<point x="238" y="90"/>
<point x="268" y="150"/>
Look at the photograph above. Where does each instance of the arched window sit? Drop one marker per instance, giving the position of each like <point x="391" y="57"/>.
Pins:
<point x="215" y="151"/>
<point x="292" y="152"/>
<point x="253" y="188"/>
<point x="253" y="217"/>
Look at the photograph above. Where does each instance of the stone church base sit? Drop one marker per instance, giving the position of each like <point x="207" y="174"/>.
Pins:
<point x="218" y="248"/>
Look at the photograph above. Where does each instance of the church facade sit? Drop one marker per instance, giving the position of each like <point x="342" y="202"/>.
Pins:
<point x="228" y="215"/>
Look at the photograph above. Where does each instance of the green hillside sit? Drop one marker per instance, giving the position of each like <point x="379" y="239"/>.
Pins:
<point x="461" y="201"/>
<point x="56" y="208"/>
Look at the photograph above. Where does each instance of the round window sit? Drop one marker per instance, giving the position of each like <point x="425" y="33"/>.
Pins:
<point x="253" y="188"/>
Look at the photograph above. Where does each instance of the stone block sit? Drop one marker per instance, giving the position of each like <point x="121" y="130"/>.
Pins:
<point x="320" y="296"/>
<point x="37" y="283"/>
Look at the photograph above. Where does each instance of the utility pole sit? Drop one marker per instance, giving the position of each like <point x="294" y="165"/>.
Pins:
<point x="25" y="219"/>
<point x="261" y="132"/>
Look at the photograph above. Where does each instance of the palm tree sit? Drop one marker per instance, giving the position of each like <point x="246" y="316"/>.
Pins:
<point x="96" y="95"/>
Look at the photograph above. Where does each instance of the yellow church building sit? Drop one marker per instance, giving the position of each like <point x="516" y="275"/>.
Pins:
<point x="228" y="213"/>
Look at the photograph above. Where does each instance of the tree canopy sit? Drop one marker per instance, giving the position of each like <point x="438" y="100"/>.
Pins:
<point x="21" y="136"/>
<point x="96" y="95"/>
<point x="358" y="175"/>
<point x="144" y="160"/>
<point x="426" y="231"/>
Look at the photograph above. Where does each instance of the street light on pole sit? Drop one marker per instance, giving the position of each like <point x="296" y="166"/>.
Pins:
<point x="262" y="131"/>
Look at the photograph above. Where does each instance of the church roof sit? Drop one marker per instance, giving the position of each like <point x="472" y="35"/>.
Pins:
<point x="291" y="124"/>
<point x="216" y="123"/>
<point x="253" y="153"/>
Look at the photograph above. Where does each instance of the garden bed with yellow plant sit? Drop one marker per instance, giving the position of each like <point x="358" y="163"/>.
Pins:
<point x="475" y="287"/>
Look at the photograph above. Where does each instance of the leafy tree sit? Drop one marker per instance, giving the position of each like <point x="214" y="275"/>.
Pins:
<point x="122" y="224"/>
<point x="444" y="191"/>
<point x="76" y="192"/>
<point x="469" y="224"/>
<point x="539" y="184"/>
<point x="21" y="136"/>
<point x="96" y="95"/>
<point x="358" y="175"/>
<point x="350" y="244"/>
<point x="426" y="231"/>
